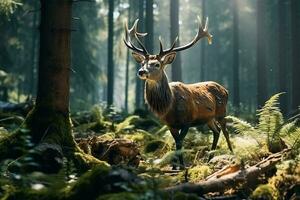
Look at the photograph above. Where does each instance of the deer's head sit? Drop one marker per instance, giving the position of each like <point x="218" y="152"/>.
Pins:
<point x="153" y="66"/>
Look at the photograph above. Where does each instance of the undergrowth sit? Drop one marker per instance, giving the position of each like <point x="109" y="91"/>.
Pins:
<point x="251" y="143"/>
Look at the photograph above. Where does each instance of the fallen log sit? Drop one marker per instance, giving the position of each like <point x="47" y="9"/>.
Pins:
<point x="240" y="178"/>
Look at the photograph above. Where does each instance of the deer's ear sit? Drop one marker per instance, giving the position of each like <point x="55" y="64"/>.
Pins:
<point x="169" y="58"/>
<point x="139" y="58"/>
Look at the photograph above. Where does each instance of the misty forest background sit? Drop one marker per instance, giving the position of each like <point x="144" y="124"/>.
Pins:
<point x="254" y="53"/>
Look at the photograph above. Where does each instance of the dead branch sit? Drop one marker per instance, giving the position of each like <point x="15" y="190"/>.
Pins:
<point x="242" y="177"/>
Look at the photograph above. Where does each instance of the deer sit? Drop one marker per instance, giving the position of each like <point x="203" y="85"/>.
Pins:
<point x="179" y="105"/>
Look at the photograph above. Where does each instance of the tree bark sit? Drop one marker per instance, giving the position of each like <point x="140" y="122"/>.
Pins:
<point x="261" y="54"/>
<point x="174" y="32"/>
<point x="110" y="61"/>
<point x="295" y="23"/>
<point x="236" y="83"/>
<point x="49" y="120"/>
<point x="149" y="26"/>
<point x="34" y="44"/>
<point x="49" y="123"/>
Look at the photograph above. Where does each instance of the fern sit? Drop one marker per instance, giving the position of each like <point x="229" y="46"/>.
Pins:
<point x="97" y="114"/>
<point x="270" y="124"/>
<point x="288" y="129"/>
<point x="270" y="116"/>
<point x="239" y="125"/>
<point x="271" y="119"/>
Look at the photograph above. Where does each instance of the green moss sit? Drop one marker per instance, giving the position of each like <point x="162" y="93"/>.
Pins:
<point x="140" y="137"/>
<point x="85" y="161"/>
<point x="196" y="173"/>
<point x="121" y="195"/>
<point x="265" y="192"/>
<point x="90" y="185"/>
<point x="287" y="175"/>
<point x="47" y="124"/>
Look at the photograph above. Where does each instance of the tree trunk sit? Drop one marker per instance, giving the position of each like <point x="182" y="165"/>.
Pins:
<point x="261" y="54"/>
<point x="49" y="123"/>
<point x="149" y="26"/>
<point x="174" y="32"/>
<point x="110" y="61"/>
<point x="139" y="83"/>
<point x="236" y="83"/>
<point x="34" y="44"/>
<point x="202" y="65"/>
<point x="52" y="103"/>
<point x="127" y="61"/>
<point x="282" y="52"/>
<point x="295" y="23"/>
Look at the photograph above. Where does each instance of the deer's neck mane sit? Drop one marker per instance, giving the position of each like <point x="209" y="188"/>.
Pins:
<point x="158" y="95"/>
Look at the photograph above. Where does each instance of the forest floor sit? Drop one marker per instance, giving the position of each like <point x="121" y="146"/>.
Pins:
<point x="265" y="163"/>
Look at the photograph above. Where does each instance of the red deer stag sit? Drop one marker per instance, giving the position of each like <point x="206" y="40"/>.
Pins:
<point x="179" y="105"/>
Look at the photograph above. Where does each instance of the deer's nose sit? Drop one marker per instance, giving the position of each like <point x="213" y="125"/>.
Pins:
<point x="141" y="72"/>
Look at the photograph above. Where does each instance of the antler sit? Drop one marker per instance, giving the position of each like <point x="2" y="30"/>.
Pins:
<point x="134" y="33"/>
<point x="202" y="32"/>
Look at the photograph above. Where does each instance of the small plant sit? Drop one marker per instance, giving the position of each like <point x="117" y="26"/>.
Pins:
<point x="271" y="126"/>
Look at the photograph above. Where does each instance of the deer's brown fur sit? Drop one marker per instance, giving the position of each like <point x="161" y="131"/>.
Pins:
<point x="180" y="105"/>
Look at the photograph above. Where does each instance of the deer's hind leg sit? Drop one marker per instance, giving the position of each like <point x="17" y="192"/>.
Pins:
<point x="222" y="122"/>
<point x="216" y="134"/>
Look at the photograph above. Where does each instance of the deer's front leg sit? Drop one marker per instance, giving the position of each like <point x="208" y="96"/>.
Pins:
<point x="175" y="134"/>
<point x="178" y="143"/>
<point x="182" y="135"/>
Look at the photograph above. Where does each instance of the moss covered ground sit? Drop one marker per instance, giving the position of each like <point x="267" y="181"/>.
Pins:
<point x="252" y="142"/>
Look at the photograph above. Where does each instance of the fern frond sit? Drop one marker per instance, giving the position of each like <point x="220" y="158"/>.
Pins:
<point x="270" y="116"/>
<point x="240" y="126"/>
<point x="288" y="129"/>
<point x="296" y="145"/>
<point x="127" y="123"/>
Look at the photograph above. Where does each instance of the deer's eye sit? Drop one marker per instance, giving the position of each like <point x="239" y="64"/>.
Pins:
<point x="157" y="65"/>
